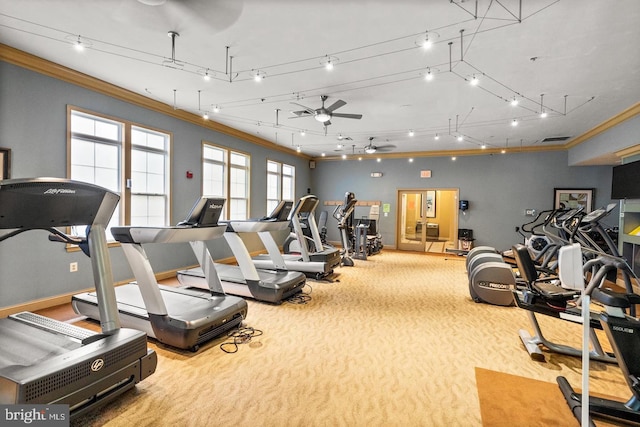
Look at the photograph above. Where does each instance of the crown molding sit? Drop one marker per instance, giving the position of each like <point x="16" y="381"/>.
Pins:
<point x="42" y="66"/>
<point x="606" y="125"/>
<point x="444" y="153"/>
<point x="52" y="69"/>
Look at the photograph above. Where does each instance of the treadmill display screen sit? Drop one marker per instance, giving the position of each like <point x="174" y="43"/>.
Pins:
<point x="282" y="211"/>
<point x="43" y="203"/>
<point x="205" y="213"/>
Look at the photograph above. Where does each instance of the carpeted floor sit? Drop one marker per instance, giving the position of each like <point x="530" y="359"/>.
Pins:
<point x="510" y="400"/>
<point x="396" y="342"/>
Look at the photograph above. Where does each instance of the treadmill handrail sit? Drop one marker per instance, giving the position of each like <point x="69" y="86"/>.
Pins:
<point x="255" y="225"/>
<point x="172" y="234"/>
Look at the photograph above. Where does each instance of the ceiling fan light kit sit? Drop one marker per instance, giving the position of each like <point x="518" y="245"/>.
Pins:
<point x="322" y="117"/>
<point x="324" y="114"/>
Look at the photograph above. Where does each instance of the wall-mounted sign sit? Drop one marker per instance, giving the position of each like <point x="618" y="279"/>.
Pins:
<point x="376" y="174"/>
<point x="425" y="174"/>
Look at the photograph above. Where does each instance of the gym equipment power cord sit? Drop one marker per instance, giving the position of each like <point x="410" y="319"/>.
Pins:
<point x="240" y="336"/>
<point x="301" y="297"/>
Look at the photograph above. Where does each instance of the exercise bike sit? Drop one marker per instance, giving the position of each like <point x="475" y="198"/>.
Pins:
<point x="549" y="299"/>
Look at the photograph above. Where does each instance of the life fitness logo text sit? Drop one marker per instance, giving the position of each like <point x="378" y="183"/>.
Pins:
<point x="97" y="364"/>
<point x="214" y="206"/>
<point x="60" y="191"/>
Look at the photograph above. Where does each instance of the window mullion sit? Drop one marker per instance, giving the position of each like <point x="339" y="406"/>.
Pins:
<point x="227" y="174"/>
<point x="126" y="176"/>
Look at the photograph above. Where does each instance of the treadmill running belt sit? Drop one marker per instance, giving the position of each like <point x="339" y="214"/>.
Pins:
<point x="24" y="345"/>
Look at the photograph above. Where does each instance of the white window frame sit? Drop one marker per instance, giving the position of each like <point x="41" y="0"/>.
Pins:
<point x="237" y="194"/>
<point x="123" y="214"/>
<point x="280" y="175"/>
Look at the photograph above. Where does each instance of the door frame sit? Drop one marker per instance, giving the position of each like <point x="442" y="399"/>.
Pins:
<point x="421" y="245"/>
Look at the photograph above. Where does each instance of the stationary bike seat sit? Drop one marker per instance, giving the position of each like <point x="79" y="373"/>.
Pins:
<point x="615" y="299"/>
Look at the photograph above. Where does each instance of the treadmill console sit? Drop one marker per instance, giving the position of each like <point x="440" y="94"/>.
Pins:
<point x="205" y="212"/>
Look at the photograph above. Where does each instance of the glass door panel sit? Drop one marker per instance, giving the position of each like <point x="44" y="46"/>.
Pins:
<point x="412" y="231"/>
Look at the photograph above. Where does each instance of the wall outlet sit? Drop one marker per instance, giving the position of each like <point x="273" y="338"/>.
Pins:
<point x="73" y="267"/>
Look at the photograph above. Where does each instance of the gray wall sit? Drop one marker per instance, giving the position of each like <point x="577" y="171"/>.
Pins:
<point x="33" y="125"/>
<point x="498" y="187"/>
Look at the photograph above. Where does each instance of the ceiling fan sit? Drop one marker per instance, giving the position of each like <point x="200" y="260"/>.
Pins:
<point x="325" y="114"/>
<point x="175" y="15"/>
<point x="370" y="149"/>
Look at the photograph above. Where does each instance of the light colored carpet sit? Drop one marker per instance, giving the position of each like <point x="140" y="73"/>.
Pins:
<point x="395" y="343"/>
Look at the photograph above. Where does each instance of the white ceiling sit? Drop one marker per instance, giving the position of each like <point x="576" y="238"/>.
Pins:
<point x="582" y="56"/>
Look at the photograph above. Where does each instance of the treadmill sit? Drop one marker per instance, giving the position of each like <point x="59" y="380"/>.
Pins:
<point x="181" y="318"/>
<point x="318" y="262"/>
<point x="245" y="279"/>
<point x="44" y="361"/>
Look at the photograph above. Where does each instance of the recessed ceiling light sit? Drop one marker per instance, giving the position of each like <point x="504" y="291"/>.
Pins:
<point x="258" y="75"/>
<point x="429" y="75"/>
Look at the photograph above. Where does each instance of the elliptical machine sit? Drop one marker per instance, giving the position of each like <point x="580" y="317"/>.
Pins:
<point x="536" y="241"/>
<point x="342" y="214"/>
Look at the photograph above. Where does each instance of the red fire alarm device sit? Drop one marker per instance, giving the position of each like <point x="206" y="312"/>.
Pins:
<point x="189" y="174"/>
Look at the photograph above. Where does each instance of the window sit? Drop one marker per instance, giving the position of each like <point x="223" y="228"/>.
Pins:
<point x="225" y="173"/>
<point x="280" y="183"/>
<point x="149" y="177"/>
<point x="102" y="150"/>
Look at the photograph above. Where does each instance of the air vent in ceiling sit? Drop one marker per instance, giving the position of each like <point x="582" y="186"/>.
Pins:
<point x="556" y="139"/>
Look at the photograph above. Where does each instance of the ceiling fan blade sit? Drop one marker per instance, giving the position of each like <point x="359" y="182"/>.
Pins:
<point x="387" y="147"/>
<point x="347" y="116"/>
<point x="307" y="109"/>
<point x="302" y="113"/>
<point x="339" y="103"/>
